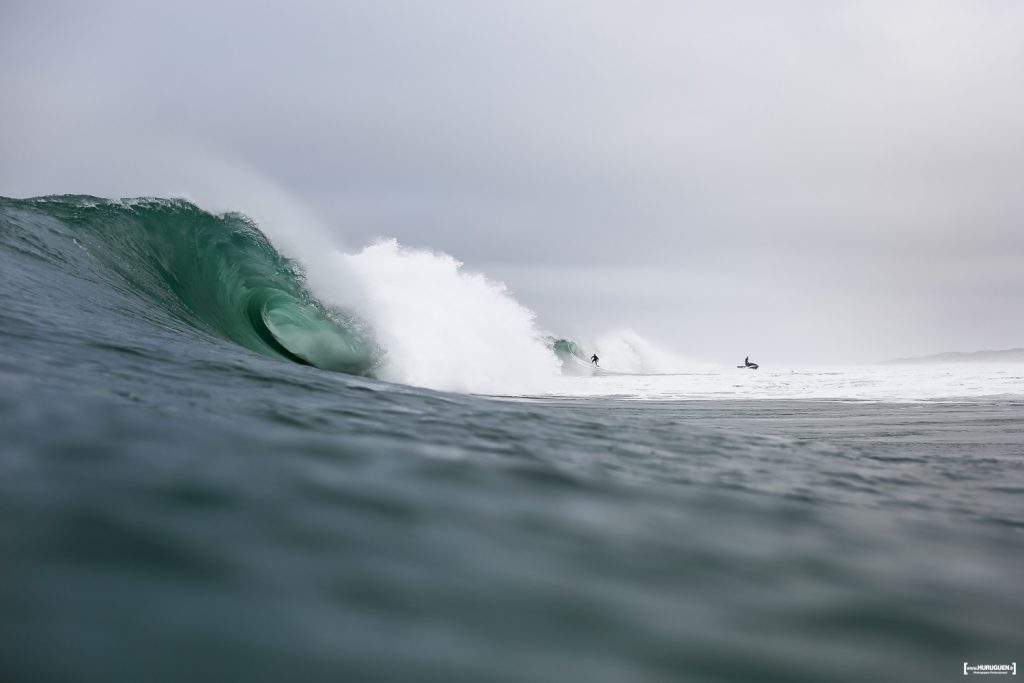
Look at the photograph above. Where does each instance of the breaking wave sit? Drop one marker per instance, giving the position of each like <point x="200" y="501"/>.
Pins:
<point x="402" y="315"/>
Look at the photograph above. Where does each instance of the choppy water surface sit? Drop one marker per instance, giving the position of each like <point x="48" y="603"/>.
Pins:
<point x="178" y="503"/>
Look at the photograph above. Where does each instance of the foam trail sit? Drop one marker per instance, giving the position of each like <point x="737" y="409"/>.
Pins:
<point x="446" y="328"/>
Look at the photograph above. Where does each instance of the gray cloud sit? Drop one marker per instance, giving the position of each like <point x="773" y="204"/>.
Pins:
<point x="800" y="179"/>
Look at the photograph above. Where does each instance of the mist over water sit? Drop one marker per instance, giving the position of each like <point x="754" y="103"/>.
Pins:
<point x="625" y="351"/>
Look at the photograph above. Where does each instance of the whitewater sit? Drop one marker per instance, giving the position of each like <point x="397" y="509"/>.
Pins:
<point x="241" y="452"/>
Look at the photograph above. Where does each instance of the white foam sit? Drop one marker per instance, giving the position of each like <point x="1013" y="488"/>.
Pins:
<point x="872" y="383"/>
<point x="446" y="328"/>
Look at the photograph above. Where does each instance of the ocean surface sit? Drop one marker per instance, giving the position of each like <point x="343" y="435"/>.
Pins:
<point x="220" y="464"/>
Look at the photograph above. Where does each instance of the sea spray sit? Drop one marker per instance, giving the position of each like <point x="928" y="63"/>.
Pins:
<point x="447" y="328"/>
<point x="626" y="351"/>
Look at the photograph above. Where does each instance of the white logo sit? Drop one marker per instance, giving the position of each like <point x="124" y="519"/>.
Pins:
<point x="997" y="669"/>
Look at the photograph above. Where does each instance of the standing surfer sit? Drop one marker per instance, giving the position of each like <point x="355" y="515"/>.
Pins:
<point x="594" y="359"/>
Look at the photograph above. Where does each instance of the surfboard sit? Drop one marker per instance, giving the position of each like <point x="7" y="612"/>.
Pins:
<point x="752" y="366"/>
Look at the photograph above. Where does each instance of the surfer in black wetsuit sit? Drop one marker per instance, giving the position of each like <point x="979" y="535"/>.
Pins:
<point x="594" y="359"/>
<point x="748" y="364"/>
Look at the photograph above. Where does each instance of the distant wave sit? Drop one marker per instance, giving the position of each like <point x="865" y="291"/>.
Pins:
<point x="626" y="351"/>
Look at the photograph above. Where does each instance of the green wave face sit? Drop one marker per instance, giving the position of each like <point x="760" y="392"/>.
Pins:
<point x="216" y="272"/>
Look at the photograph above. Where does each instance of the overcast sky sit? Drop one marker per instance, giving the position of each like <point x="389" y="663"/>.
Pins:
<point x="796" y="181"/>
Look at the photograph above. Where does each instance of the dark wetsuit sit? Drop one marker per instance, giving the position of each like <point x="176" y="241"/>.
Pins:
<point x="594" y="359"/>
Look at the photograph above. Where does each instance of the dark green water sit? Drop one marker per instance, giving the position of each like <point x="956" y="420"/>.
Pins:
<point x="188" y="494"/>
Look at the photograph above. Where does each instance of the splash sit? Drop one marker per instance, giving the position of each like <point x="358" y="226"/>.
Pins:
<point x="444" y="327"/>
